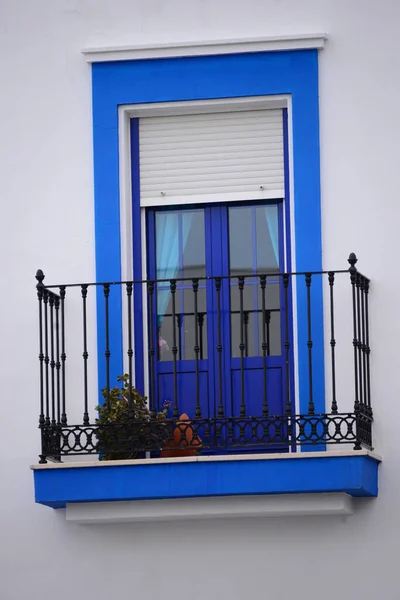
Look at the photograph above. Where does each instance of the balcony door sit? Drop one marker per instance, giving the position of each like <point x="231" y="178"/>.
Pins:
<point x="216" y="315"/>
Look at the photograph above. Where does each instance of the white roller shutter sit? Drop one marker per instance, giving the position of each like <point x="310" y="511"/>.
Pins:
<point x="208" y="157"/>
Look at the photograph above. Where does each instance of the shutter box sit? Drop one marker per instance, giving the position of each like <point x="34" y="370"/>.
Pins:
<point x="200" y="158"/>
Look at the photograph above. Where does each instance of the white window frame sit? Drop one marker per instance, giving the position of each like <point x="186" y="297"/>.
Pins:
<point x="129" y="111"/>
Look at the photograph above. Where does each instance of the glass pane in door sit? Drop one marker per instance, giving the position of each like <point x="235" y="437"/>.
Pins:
<point x="254" y="251"/>
<point x="180" y="256"/>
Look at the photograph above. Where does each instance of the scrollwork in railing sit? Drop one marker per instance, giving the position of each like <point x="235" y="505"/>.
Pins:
<point x="260" y="433"/>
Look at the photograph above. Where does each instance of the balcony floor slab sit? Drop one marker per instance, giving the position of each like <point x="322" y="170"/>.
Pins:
<point x="353" y="472"/>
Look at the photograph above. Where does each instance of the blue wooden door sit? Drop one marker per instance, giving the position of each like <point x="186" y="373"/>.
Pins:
<point x="217" y="321"/>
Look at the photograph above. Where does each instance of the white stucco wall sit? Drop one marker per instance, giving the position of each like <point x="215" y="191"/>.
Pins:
<point x="46" y="195"/>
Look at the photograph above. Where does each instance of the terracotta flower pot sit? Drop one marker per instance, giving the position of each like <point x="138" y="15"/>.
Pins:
<point x="185" y="441"/>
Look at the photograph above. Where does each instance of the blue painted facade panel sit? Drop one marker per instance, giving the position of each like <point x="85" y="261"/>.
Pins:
<point x="210" y="77"/>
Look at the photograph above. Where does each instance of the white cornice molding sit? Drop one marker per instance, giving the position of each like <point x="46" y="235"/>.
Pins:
<point x="234" y="46"/>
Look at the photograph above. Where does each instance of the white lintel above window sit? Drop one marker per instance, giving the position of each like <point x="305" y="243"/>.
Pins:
<point x="203" y="48"/>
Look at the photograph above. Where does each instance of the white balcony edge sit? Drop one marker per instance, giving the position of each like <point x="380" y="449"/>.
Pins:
<point x="205" y="458"/>
<point x="288" y="505"/>
<point x="203" y="48"/>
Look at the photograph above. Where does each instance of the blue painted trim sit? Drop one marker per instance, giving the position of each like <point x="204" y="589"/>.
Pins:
<point x="107" y="245"/>
<point x="286" y="170"/>
<point x="288" y="248"/>
<point x="195" y="78"/>
<point x="354" y="475"/>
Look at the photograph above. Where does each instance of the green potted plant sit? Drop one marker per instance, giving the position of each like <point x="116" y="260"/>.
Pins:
<point x="125" y="430"/>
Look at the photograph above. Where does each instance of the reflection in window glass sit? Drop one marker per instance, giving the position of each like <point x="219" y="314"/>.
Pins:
<point x="254" y="249"/>
<point x="180" y="254"/>
<point x="167" y="245"/>
<point x="267" y="243"/>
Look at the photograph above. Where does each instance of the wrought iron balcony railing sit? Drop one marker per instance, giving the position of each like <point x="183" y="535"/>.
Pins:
<point x="227" y="351"/>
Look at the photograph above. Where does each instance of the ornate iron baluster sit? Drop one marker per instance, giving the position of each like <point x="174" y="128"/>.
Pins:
<point x="353" y="278"/>
<point x="195" y="285"/>
<point x="311" y="408"/>
<point x="152" y="352"/>
<point x="363" y="341"/>
<point x="353" y="275"/>
<point x="63" y="355"/>
<point x="40" y="288"/>
<point x="219" y="347"/>
<point x="286" y="277"/>
<point x="331" y="280"/>
<point x="174" y="347"/>
<point x="107" y="353"/>
<point x="367" y="346"/>
<point x="263" y="284"/>
<point x="129" y="352"/>
<point x="85" y="355"/>
<point x="368" y="424"/>
<point x="241" y="347"/>
<point x="58" y="363"/>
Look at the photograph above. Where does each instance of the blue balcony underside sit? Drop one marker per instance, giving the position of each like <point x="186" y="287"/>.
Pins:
<point x="354" y="473"/>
